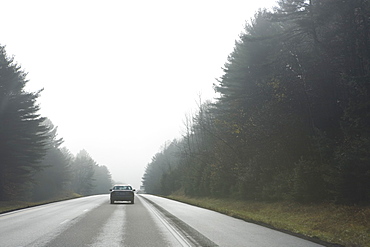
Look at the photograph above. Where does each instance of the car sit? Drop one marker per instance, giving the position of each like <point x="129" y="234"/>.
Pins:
<point x="122" y="193"/>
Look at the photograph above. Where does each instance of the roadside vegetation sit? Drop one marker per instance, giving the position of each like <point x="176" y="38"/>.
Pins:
<point x="287" y="140"/>
<point x="333" y="224"/>
<point x="292" y="120"/>
<point x="33" y="165"/>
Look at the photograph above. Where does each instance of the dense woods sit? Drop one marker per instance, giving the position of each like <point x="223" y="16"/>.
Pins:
<point x="292" y="120"/>
<point x="33" y="166"/>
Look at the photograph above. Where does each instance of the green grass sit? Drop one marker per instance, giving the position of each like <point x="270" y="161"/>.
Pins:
<point x="344" y="225"/>
<point x="6" y="206"/>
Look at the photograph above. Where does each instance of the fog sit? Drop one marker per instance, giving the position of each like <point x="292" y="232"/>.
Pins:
<point x="119" y="77"/>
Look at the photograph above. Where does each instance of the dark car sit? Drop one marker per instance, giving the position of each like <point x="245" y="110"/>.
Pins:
<point x="122" y="193"/>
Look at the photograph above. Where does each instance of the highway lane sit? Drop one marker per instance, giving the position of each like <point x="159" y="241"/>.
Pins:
<point x="120" y="224"/>
<point x="37" y="225"/>
<point x="87" y="221"/>
<point x="223" y="230"/>
<point x="151" y="221"/>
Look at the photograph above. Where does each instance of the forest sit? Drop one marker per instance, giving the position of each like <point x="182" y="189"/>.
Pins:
<point x="292" y="118"/>
<point x="33" y="166"/>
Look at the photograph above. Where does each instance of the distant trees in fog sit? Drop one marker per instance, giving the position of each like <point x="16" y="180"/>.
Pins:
<point x="33" y="166"/>
<point x="56" y="172"/>
<point x="292" y="121"/>
<point x="88" y="177"/>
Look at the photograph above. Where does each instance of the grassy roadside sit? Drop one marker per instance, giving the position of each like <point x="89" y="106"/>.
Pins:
<point x="7" y="206"/>
<point x="344" y="225"/>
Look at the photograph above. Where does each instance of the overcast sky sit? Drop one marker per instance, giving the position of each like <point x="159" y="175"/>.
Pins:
<point x="120" y="76"/>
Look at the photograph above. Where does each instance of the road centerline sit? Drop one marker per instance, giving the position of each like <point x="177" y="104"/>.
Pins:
<point x="177" y="235"/>
<point x="192" y="236"/>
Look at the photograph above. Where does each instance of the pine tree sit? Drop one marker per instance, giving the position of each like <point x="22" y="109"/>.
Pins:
<point x="52" y="180"/>
<point x="22" y="135"/>
<point x="83" y="172"/>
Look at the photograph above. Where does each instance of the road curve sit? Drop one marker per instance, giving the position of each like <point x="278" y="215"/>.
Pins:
<point x="151" y="221"/>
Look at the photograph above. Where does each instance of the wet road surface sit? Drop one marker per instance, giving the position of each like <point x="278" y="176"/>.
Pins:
<point x="151" y="221"/>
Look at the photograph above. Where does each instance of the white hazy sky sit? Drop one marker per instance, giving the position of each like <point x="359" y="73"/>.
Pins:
<point x="120" y="76"/>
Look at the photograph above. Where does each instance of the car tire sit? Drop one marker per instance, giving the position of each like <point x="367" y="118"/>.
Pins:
<point x="111" y="202"/>
<point x="132" y="202"/>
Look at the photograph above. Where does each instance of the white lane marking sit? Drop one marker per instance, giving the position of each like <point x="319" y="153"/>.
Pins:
<point x="112" y="232"/>
<point x="86" y="210"/>
<point x="178" y="236"/>
<point x="65" y="221"/>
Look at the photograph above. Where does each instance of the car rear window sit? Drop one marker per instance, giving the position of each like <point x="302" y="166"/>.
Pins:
<point x="122" y="188"/>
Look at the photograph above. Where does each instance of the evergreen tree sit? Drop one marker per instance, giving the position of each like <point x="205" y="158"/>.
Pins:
<point x="293" y="117"/>
<point x="23" y="137"/>
<point x="82" y="173"/>
<point x="156" y="179"/>
<point x="102" y="180"/>
<point x="53" y="179"/>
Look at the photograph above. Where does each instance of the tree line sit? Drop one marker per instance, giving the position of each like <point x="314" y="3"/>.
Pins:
<point x="33" y="166"/>
<point x="292" y="119"/>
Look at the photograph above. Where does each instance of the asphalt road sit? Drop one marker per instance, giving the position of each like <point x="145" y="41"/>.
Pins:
<point x="151" y="221"/>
